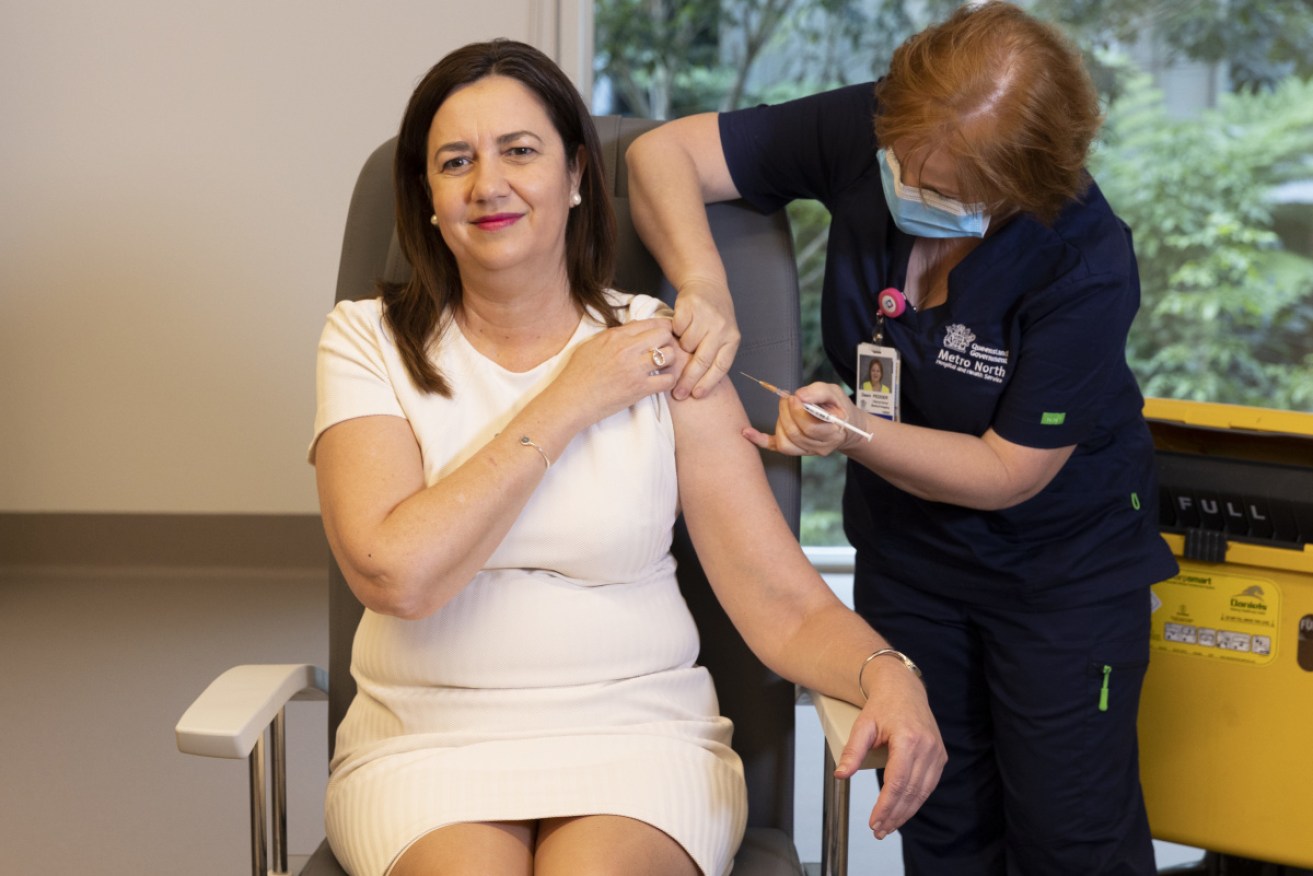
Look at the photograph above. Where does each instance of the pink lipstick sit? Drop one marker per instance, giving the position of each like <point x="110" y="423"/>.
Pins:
<point x="497" y="221"/>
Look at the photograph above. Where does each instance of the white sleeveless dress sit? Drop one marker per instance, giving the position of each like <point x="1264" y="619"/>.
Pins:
<point x="561" y="681"/>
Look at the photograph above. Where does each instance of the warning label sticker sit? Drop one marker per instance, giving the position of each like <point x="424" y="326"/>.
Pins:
<point x="1216" y="615"/>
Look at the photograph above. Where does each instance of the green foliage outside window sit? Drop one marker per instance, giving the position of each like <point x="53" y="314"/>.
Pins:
<point x="1219" y="200"/>
<point x="1227" y="312"/>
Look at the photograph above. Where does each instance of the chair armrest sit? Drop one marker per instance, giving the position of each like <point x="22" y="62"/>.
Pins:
<point x="837" y="719"/>
<point x="228" y="717"/>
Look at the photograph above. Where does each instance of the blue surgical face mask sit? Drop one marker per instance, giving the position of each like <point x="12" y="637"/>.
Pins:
<point x="924" y="213"/>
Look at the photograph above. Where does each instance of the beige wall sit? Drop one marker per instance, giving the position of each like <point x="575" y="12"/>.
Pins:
<point x="175" y="178"/>
<point x="99" y="664"/>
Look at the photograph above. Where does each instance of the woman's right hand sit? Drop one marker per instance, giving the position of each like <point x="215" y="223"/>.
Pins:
<point x="798" y="433"/>
<point x="616" y="368"/>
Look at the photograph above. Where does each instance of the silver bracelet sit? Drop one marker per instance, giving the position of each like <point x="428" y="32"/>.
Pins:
<point x="907" y="661"/>
<point x="528" y="442"/>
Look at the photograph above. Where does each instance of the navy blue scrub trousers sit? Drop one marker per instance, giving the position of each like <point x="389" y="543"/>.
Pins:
<point x="1043" y="767"/>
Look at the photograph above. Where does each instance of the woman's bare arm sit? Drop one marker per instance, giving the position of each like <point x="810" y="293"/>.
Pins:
<point x="786" y="613"/>
<point x="406" y="548"/>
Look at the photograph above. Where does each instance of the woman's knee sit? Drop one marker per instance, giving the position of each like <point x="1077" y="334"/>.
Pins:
<point x="474" y="849"/>
<point x="608" y="845"/>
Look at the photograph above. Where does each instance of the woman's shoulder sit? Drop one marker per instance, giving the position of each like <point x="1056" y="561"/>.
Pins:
<point x="1095" y="244"/>
<point x="358" y="313"/>
<point x="357" y="324"/>
<point x="815" y="147"/>
<point x="1086" y="239"/>
<point x="630" y="306"/>
<point x="858" y="98"/>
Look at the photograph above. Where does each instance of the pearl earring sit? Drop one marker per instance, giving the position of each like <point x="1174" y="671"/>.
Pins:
<point x="433" y="220"/>
<point x="576" y="199"/>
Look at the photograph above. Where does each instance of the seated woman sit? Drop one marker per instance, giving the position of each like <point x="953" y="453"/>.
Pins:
<point x="499" y="469"/>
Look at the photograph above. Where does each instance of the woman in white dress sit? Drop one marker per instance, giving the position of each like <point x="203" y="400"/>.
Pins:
<point x="499" y="469"/>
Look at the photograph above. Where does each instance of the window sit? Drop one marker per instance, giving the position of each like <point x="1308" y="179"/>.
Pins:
<point x="1205" y="153"/>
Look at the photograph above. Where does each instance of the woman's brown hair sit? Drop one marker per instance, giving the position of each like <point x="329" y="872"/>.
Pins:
<point x="1006" y="96"/>
<point x="417" y="309"/>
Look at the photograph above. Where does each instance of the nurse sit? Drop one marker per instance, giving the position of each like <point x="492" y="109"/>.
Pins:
<point x="1004" y="517"/>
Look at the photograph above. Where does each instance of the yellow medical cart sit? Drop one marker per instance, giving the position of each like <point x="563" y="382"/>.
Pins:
<point x="1226" y="719"/>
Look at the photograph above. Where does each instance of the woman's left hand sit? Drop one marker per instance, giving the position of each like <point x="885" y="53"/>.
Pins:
<point x="798" y="433"/>
<point x="897" y="714"/>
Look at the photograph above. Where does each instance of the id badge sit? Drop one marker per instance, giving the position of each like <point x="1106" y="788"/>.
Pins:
<point x="878" y="380"/>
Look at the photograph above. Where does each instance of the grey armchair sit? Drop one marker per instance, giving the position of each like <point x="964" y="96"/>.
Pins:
<point x="230" y="717"/>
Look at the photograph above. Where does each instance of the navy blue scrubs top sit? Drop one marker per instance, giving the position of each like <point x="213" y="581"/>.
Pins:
<point x="1030" y="342"/>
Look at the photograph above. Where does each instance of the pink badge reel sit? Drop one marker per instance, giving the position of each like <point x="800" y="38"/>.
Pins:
<point x="892" y="303"/>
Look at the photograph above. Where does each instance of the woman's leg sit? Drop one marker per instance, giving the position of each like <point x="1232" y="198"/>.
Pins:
<point x="1066" y="688"/>
<point x="960" y="829"/>
<point x="475" y="849"/>
<point x="608" y="845"/>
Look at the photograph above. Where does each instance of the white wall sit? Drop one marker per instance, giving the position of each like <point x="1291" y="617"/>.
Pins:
<point x="174" y="177"/>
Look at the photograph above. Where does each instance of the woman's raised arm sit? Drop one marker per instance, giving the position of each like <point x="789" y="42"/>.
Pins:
<point x="405" y="547"/>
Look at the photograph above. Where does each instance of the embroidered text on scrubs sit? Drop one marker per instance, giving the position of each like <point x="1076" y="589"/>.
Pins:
<point x="986" y="363"/>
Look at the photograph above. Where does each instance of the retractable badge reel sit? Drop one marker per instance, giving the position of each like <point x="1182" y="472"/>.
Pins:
<point x="878" y="366"/>
<point x="892" y="304"/>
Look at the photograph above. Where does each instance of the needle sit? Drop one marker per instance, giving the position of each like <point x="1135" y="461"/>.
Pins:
<point x="816" y="411"/>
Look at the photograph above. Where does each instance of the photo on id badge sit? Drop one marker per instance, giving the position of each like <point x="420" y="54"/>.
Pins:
<point x="877" y="380"/>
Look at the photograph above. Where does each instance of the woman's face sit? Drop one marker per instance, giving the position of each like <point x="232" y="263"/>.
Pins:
<point x="499" y="178"/>
<point x="930" y="170"/>
<point x="877" y="372"/>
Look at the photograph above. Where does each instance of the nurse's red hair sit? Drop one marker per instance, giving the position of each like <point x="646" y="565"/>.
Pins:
<point x="1006" y="96"/>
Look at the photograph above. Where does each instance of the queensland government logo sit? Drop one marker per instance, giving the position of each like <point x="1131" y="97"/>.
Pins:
<point x="959" y="337"/>
<point x="962" y="354"/>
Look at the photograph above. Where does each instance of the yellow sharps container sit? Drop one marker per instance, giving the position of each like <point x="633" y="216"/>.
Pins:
<point x="1226" y="719"/>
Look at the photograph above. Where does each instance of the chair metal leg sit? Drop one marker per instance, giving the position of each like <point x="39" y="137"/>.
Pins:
<point x="259" y="864"/>
<point x="834" y="821"/>
<point x="278" y="795"/>
<point x="278" y="769"/>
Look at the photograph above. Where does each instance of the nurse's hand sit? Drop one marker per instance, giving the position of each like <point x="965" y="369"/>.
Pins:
<point x="896" y="714"/>
<point x="705" y="325"/>
<point x="798" y="433"/>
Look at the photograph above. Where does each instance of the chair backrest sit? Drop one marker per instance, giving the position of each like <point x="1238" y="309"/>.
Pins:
<point x="758" y="254"/>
